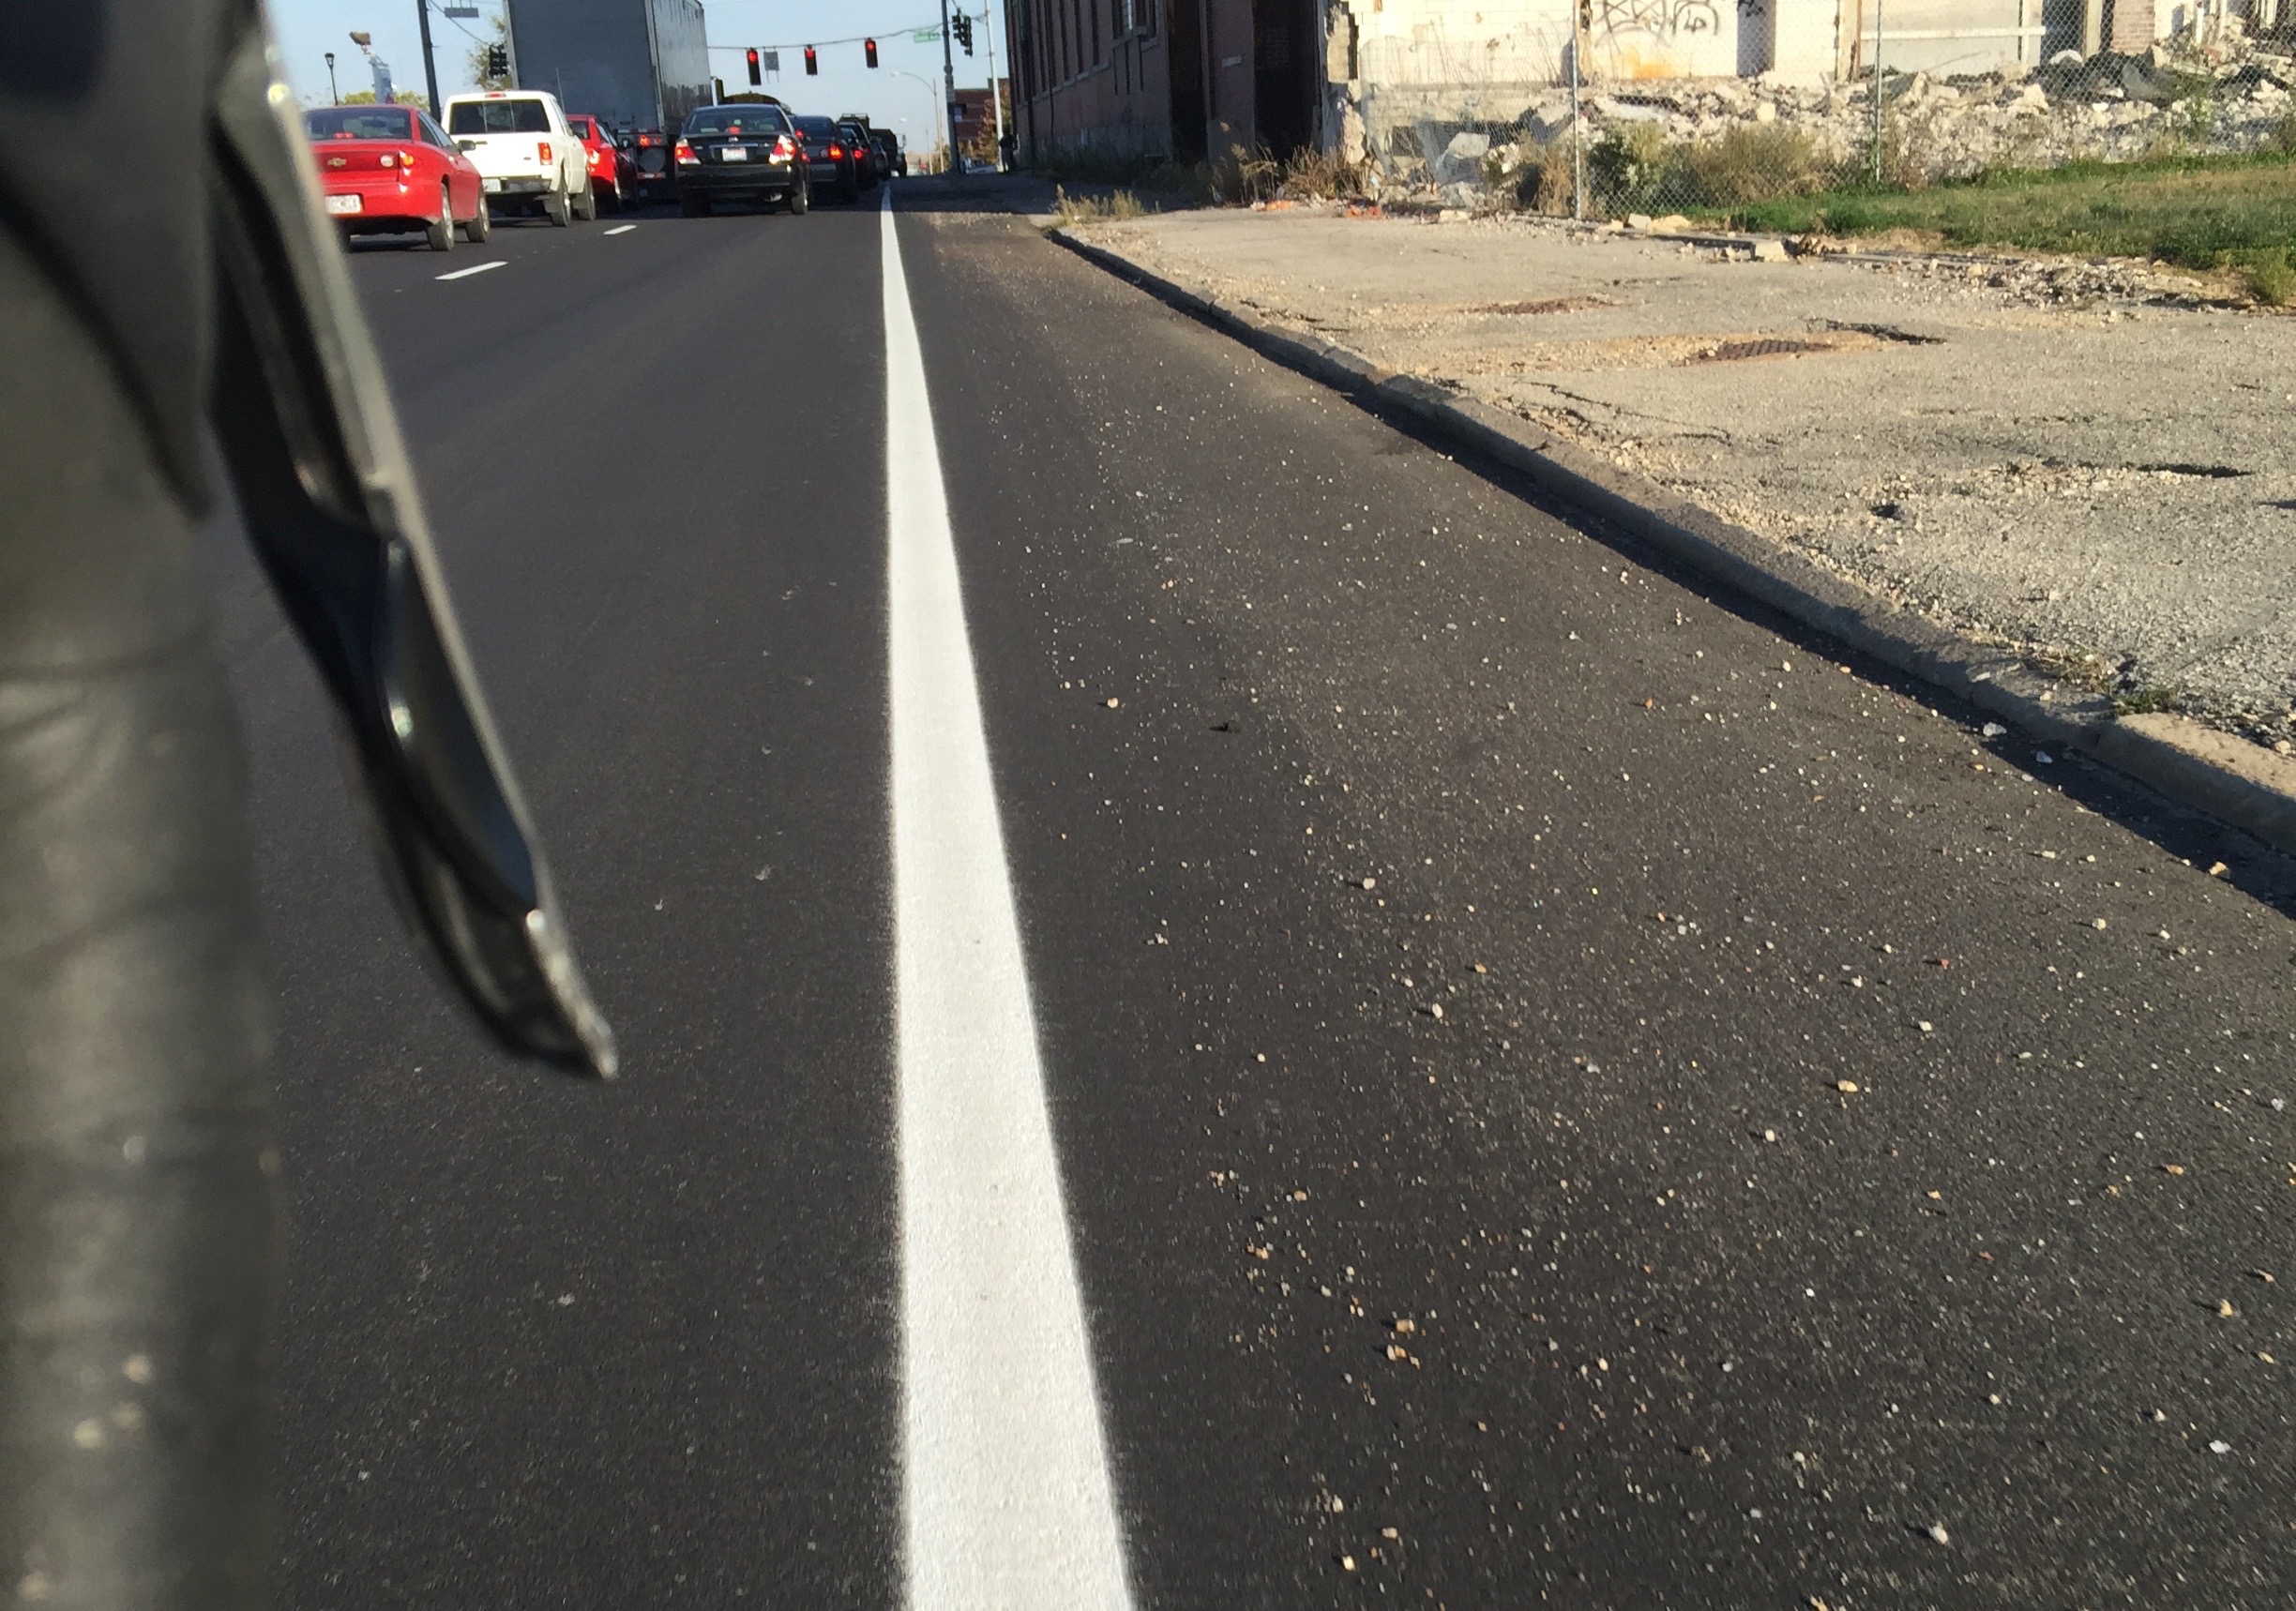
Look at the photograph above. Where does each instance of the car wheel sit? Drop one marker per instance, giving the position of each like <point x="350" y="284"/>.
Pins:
<point x="693" y="206"/>
<point x="479" y="225"/>
<point x="559" y="208"/>
<point x="585" y="204"/>
<point x="443" y="233"/>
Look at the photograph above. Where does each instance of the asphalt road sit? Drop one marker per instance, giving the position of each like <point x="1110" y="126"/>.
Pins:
<point x="1562" y="1093"/>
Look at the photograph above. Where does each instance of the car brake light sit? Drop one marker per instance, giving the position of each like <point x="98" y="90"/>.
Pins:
<point x="686" y="153"/>
<point x="542" y="151"/>
<point x="406" y="158"/>
<point x="836" y="152"/>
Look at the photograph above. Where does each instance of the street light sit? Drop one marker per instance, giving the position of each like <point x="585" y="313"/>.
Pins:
<point x="333" y="94"/>
<point x="930" y="89"/>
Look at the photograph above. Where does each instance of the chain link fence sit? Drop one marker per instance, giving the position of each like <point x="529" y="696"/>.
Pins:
<point x="1941" y="103"/>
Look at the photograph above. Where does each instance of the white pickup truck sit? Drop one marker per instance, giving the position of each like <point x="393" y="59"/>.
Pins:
<point x="529" y="159"/>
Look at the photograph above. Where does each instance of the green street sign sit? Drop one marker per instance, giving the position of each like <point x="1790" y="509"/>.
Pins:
<point x="926" y="37"/>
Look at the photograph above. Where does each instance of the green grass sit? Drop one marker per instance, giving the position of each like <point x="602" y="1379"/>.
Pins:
<point x="2195" y="212"/>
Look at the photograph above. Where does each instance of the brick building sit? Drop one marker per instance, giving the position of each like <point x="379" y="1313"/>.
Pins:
<point x="1185" y="78"/>
<point x="976" y="117"/>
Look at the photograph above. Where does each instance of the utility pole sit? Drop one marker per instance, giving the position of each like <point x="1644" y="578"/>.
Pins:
<point x="948" y="85"/>
<point x="422" y="10"/>
<point x="334" y="93"/>
<point x="996" y="96"/>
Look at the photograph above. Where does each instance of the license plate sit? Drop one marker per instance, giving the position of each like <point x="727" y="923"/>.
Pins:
<point x="492" y="187"/>
<point x="339" y="205"/>
<point x="734" y="153"/>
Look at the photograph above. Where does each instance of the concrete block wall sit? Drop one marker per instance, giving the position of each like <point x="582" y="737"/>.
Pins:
<point x="1428" y="43"/>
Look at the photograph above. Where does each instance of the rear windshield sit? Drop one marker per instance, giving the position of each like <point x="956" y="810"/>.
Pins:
<point x="580" y="126"/>
<point x="359" y="123"/>
<point x="735" y="120"/>
<point x="498" y="117"/>
<point x="818" y="127"/>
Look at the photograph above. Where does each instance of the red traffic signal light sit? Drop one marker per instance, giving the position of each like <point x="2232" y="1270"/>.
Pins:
<point x="868" y="48"/>
<point x="812" y="63"/>
<point x="755" y="77"/>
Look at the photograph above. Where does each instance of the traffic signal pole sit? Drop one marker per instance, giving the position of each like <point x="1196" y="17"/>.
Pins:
<point x="948" y="85"/>
<point x="422" y="10"/>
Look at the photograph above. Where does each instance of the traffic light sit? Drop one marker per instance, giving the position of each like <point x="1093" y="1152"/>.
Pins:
<point x="868" y="48"/>
<point x="962" y="25"/>
<point x="498" y="61"/>
<point x="812" y="63"/>
<point x="755" y="76"/>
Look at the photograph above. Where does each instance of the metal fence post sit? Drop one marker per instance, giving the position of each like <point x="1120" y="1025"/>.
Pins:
<point x="1578" y="133"/>
<point x="1877" y="94"/>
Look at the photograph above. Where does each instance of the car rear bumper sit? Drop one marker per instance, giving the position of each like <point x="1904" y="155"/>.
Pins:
<point x="737" y="179"/>
<point x="379" y="199"/>
<point x="517" y="184"/>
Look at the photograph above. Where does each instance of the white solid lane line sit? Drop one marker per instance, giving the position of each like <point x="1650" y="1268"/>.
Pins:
<point x="1006" y="1489"/>
<point x="482" y="268"/>
<point x="621" y="228"/>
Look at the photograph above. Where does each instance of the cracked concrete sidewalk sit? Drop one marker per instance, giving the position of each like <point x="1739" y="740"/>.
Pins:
<point x="2095" y="467"/>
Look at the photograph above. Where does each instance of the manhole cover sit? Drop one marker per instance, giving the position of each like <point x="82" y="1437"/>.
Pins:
<point x="1549" y="305"/>
<point x="1773" y="347"/>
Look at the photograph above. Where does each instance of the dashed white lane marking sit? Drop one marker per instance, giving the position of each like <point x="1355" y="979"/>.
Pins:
<point x="480" y="268"/>
<point x="621" y="228"/>
<point x="1005" y="1492"/>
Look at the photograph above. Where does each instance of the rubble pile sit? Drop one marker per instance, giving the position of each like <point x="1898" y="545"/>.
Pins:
<point x="2107" y="107"/>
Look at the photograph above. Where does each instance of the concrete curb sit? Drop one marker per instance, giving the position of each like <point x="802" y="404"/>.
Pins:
<point x="2227" y="777"/>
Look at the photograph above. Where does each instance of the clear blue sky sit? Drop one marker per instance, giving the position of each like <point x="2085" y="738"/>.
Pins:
<point x="310" y="28"/>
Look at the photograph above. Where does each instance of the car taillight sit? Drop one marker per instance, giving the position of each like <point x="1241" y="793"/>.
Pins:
<point x="836" y="152"/>
<point x="542" y="151"/>
<point x="686" y="153"/>
<point x="406" y="158"/>
<point x="783" y="151"/>
<point x="387" y="160"/>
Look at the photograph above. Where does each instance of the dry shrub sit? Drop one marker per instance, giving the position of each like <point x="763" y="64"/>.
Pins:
<point x="1319" y="176"/>
<point x="1752" y="162"/>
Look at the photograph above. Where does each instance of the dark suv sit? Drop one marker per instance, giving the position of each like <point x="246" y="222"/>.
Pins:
<point x="748" y="152"/>
<point x="864" y="140"/>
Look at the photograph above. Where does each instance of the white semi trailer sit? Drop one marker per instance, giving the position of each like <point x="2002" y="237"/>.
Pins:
<point x="632" y="64"/>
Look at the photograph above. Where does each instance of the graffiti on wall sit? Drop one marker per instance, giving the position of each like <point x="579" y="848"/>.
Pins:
<point x="1661" y="39"/>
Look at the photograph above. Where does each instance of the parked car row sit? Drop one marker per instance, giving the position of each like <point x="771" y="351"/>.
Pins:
<point x="393" y="170"/>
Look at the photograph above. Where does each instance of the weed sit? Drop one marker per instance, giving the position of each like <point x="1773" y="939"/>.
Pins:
<point x="2147" y="698"/>
<point x="1751" y="163"/>
<point x="1243" y="177"/>
<point x="1068" y="211"/>
<point x="2270" y="278"/>
<point x="1319" y="176"/>
<point x="1545" y="183"/>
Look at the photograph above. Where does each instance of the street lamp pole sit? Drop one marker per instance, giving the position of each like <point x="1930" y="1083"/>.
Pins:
<point x="334" y="94"/>
<point x="931" y="92"/>
<point x="996" y="96"/>
<point x="422" y="10"/>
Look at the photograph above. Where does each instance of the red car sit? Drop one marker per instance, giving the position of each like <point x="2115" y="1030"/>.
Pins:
<point x="390" y="169"/>
<point x="611" y="175"/>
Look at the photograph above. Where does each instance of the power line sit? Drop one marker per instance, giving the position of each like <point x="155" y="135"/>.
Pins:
<point x="881" y="36"/>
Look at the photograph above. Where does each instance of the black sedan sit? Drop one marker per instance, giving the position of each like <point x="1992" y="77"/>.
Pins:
<point x="740" y="154"/>
<point x="831" y="162"/>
